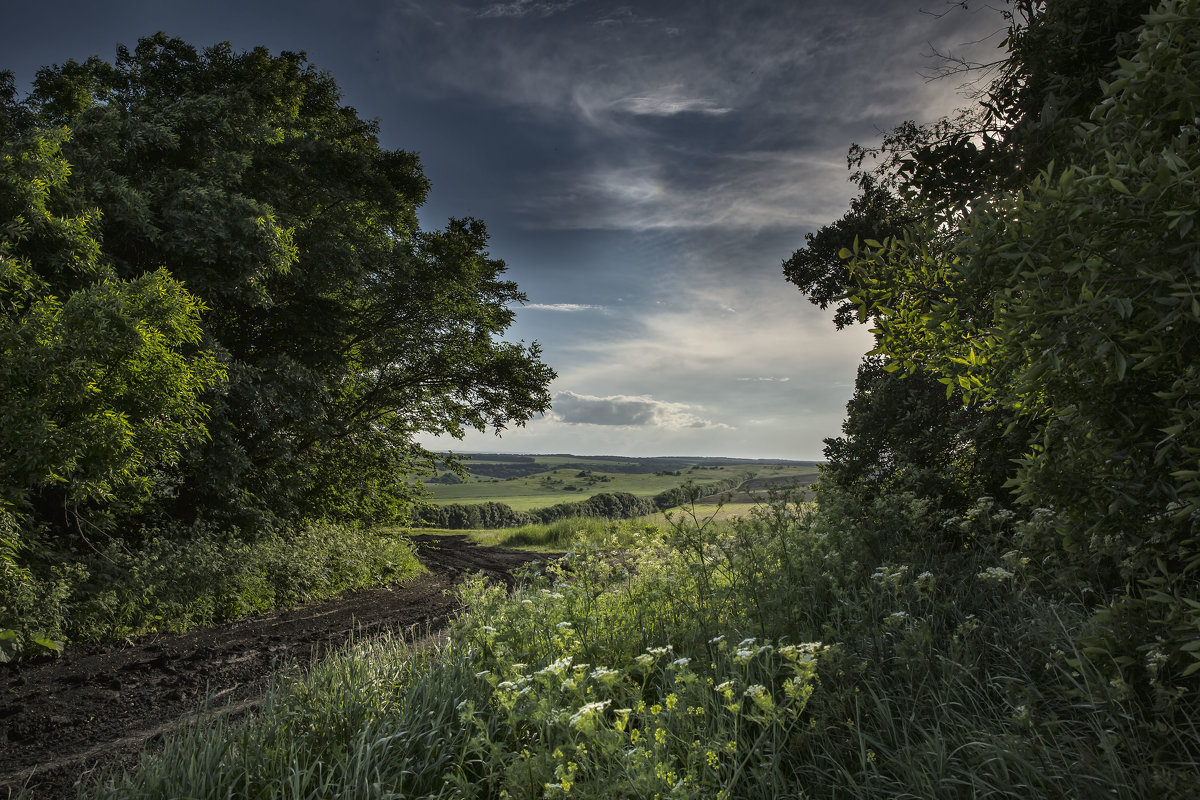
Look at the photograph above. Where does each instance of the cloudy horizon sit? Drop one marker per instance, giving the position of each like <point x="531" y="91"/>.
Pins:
<point x="643" y="169"/>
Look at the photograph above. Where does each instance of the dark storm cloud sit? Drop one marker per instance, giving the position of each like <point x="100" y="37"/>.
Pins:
<point x="694" y="115"/>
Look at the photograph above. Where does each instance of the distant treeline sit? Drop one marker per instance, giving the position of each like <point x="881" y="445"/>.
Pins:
<point x="690" y="491"/>
<point x="607" y="505"/>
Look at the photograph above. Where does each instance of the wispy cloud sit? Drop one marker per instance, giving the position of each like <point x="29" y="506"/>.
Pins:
<point x="524" y="8"/>
<point x="765" y="380"/>
<point x="730" y="191"/>
<point x="668" y="103"/>
<point x="564" y="307"/>
<point x="628" y="411"/>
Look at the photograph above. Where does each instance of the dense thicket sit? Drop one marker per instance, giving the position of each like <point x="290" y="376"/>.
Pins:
<point x="217" y="302"/>
<point x="1034" y="282"/>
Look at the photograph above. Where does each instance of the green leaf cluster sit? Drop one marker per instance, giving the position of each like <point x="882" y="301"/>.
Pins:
<point x="101" y="379"/>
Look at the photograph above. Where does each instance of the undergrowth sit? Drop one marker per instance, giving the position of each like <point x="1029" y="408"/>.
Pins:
<point x="182" y="578"/>
<point x="794" y="654"/>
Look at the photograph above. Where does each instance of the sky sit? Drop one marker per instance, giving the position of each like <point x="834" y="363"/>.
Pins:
<point x="644" y="168"/>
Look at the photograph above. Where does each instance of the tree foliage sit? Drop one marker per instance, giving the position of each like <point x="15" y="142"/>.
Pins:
<point x="101" y="382"/>
<point x="1052" y="287"/>
<point x="343" y="328"/>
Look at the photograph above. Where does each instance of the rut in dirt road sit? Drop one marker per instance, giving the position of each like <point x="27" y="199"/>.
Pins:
<point x="101" y="704"/>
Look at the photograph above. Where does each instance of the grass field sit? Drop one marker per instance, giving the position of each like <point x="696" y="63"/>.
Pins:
<point x="566" y="484"/>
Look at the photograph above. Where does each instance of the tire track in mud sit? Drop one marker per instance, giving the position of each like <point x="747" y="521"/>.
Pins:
<point x="101" y="704"/>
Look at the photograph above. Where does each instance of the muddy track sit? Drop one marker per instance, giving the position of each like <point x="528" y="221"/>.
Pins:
<point x="102" y="704"/>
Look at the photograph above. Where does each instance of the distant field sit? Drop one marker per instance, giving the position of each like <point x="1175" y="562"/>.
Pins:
<point x="565" y="486"/>
<point x="561" y="480"/>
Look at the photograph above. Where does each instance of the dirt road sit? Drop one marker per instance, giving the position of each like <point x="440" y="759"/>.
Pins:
<point x="103" y="703"/>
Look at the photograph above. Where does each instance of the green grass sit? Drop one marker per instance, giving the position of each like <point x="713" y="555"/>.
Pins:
<point x="566" y="533"/>
<point x="795" y="653"/>
<point x="548" y="488"/>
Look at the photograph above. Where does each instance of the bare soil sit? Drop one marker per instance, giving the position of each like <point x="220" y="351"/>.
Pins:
<point x="102" y="704"/>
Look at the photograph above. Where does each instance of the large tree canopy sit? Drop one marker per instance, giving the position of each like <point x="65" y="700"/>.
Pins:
<point x="1045" y="275"/>
<point x="342" y="327"/>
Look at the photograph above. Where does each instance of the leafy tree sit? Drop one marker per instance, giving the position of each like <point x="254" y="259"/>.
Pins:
<point x="101" y="381"/>
<point x="1089" y="333"/>
<point x="926" y="179"/>
<point x="343" y="327"/>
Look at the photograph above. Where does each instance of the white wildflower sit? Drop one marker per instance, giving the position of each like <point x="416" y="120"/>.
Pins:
<point x="994" y="574"/>
<point x="587" y="711"/>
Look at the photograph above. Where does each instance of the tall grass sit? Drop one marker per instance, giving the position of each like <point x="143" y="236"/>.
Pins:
<point x="565" y="533"/>
<point x="792" y="654"/>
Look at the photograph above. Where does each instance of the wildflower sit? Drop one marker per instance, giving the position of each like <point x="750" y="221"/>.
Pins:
<point x="717" y="639"/>
<point x="558" y="666"/>
<point x="586" y="712"/>
<point x="604" y="674"/>
<point x="564" y="626"/>
<point x="660" y="651"/>
<point x="801" y="652"/>
<point x="994" y="574"/>
<point x="681" y="662"/>
<point x="744" y="643"/>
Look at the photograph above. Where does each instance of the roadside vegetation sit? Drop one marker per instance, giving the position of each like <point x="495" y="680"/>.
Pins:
<point x="185" y="578"/>
<point x="775" y="656"/>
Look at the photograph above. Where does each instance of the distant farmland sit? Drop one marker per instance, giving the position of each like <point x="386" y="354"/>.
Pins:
<point x="528" y="482"/>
